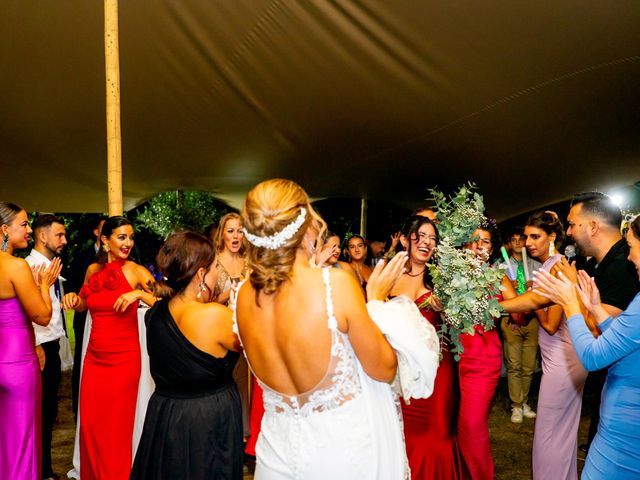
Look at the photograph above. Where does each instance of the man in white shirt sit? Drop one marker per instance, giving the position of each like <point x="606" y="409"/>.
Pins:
<point x="50" y="239"/>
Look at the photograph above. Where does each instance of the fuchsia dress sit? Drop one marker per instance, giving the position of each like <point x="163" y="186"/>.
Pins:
<point x="20" y="395"/>
<point x="479" y="372"/>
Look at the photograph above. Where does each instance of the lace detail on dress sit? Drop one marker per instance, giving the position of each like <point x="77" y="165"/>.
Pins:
<point x="339" y="384"/>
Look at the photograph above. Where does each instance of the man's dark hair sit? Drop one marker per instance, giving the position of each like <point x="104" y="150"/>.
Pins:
<point x="600" y="205"/>
<point x="513" y="232"/>
<point x="45" y="221"/>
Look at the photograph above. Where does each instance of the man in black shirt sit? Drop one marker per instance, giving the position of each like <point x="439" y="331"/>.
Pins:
<point x="594" y="225"/>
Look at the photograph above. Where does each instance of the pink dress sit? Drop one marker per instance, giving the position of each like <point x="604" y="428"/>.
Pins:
<point x="555" y="439"/>
<point x="20" y="395"/>
<point x="479" y="371"/>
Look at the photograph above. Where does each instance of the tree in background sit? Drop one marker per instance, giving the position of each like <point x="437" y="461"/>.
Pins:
<point x="171" y="212"/>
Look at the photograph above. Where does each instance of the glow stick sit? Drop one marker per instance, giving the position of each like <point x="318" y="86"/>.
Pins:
<point x="527" y="276"/>
<point x="505" y="256"/>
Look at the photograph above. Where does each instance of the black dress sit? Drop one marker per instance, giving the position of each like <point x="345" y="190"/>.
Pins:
<point x="193" y="426"/>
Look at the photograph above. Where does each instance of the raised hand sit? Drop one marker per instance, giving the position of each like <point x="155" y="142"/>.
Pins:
<point x="49" y="275"/>
<point x="324" y="255"/>
<point x="568" y="270"/>
<point x="559" y="290"/>
<point x="395" y="238"/>
<point x="384" y="277"/>
<point x="589" y="293"/>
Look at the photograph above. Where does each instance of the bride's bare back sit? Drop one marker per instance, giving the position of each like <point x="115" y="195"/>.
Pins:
<point x="286" y="336"/>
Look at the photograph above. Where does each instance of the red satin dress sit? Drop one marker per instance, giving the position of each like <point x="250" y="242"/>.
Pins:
<point x="255" y="418"/>
<point x="479" y="372"/>
<point x="110" y="377"/>
<point x="430" y="424"/>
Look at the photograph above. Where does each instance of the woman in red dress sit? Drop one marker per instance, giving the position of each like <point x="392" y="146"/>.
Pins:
<point x="429" y="424"/>
<point x="112" y="290"/>
<point x="479" y="371"/>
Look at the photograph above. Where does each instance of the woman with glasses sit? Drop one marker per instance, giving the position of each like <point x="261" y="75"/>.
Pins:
<point x="429" y="424"/>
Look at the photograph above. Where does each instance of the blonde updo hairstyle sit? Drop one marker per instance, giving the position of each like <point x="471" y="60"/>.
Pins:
<point x="268" y="209"/>
<point x="219" y="243"/>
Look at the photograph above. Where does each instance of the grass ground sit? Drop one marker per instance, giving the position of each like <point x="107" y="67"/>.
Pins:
<point x="511" y="444"/>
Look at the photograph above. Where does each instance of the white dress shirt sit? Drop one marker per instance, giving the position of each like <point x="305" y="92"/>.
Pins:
<point x="54" y="330"/>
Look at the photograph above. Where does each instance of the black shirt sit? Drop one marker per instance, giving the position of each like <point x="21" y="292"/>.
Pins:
<point x="615" y="276"/>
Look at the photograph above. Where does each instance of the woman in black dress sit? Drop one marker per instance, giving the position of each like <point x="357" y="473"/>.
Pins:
<point x="193" y="427"/>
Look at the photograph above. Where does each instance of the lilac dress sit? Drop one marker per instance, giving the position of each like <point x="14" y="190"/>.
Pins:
<point x="555" y="439"/>
<point x="20" y="395"/>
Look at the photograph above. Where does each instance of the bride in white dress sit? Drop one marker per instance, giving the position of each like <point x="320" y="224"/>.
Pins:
<point x="323" y="363"/>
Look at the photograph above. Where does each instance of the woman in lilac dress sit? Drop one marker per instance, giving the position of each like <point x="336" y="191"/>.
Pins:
<point x="21" y="302"/>
<point x="555" y="439"/>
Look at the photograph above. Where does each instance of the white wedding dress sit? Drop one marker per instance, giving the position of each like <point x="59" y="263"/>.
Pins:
<point x="348" y="426"/>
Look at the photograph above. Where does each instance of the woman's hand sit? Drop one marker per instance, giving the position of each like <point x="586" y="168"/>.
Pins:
<point x="395" y="238"/>
<point x="42" y="359"/>
<point x="70" y="301"/>
<point x="435" y="303"/>
<point x="49" y="275"/>
<point x="568" y="270"/>
<point x="383" y="277"/>
<point x="320" y="258"/>
<point x="126" y="299"/>
<point x="559" y="290"/>
<point x="589" y="293"/>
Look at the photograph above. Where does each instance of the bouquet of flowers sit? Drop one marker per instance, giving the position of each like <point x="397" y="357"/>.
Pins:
<point x="463" y="281"/>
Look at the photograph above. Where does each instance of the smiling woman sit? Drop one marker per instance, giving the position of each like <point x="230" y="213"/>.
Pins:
<point x="112" y="290"/>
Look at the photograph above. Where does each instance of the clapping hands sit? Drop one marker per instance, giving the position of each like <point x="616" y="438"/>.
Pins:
<point x="384" y="276"/>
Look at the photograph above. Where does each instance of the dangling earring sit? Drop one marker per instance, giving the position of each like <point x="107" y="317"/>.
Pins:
<point x="203" y="287"/>
<point x="5" y="242"/>
<point x="552" y="249"/>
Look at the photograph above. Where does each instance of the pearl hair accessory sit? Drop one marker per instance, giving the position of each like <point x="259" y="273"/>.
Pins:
<point x="276" y="240"/>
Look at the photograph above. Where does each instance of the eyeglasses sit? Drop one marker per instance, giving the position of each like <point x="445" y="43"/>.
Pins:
<point x="422" y="237"/>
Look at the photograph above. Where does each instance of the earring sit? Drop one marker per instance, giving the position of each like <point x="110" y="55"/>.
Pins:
<point x="203" y="287"/>
<point x="106" y="248"/>
<point x="5" y="242"/>
<point x="552" y="249"/>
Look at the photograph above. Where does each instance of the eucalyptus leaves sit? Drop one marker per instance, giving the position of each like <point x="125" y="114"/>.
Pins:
<point x="463" y="281"/>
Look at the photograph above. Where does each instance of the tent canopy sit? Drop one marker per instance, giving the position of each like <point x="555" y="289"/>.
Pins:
<point x="533" y="101"/>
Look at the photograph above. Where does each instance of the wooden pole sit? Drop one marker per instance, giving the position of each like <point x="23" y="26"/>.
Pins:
<point x="114" y="138"/>
<point x="363" y="217"/>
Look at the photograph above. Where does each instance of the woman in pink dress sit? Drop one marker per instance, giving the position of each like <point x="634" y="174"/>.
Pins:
<point x="560" y="399"/>
<point x="21" y="302"/>
<point x="479" y="371"/>
<point x="429" y="424"/>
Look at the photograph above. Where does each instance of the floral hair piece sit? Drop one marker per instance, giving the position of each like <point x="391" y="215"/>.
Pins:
<point x="275" y="241"/>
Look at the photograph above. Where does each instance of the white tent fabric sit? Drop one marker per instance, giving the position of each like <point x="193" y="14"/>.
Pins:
<point x="371" y="98"/>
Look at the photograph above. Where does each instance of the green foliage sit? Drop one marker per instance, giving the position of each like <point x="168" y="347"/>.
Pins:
<point x="171" y="212"/>
<point x="463" y="281"/>
<point x="459" y="215"/>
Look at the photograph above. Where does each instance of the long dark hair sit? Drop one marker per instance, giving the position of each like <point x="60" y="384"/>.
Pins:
<point x="110" y="224"/>
<point x="410" y="228"/>
<point x="179" y="259"/>
<point x="549" y="223"/>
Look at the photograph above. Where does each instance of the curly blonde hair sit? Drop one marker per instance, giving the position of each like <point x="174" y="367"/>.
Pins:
<point x="219" y="242"/>
<point x="269" y="207"/>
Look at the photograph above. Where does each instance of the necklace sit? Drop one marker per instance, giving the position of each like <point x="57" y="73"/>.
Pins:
<point x="416" y="274"/>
